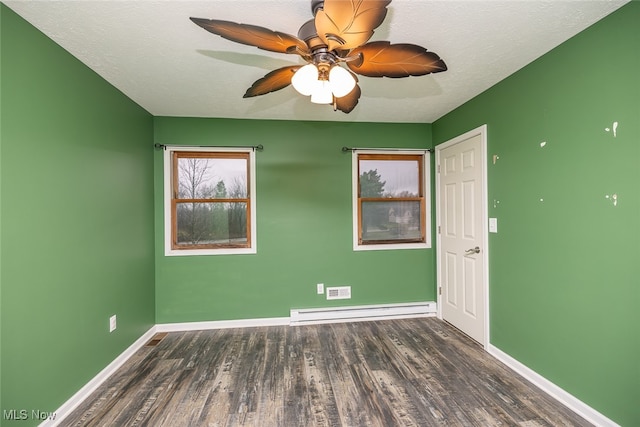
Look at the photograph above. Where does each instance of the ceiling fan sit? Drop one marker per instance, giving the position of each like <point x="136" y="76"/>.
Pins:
<point x="338" y="34"/>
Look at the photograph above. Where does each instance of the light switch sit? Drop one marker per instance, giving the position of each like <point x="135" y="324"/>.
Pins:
<point x="493" y="225"/>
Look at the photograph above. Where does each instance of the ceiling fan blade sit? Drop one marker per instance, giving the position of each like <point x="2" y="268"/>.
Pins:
<point x="347" y="24"/>
<point x="253" y="35"/>
<point x="383" y="59"/>
<point x="348" y="102"/>
<point x="275" y="80"/>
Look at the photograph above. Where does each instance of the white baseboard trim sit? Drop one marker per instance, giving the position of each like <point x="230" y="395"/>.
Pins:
<point x="567" y="399"/>
<point x="75" y="400"/>
<point x="221" y="324"/>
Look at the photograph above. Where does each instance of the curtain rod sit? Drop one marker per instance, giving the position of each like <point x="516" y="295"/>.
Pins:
<point x="346" y="149"/>
<point x="259" y="147"/>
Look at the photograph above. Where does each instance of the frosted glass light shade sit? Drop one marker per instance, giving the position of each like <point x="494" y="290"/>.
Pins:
<point x="341" y="81"/>
<point x="305" y="80"/>
<point x="322" y="93"/>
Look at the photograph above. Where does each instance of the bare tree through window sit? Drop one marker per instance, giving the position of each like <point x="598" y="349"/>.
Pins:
<point x="211" y="200"/>
<point x="194" y="219"/>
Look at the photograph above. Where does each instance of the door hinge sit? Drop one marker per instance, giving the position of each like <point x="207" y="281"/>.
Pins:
<point x="440" y="290"/>
<point x="438" y="168"/>
<point x="439" y="232"/>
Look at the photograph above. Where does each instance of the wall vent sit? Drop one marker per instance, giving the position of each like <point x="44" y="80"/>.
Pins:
<point x="155" y="340"/>
<point x="339" y="292"/>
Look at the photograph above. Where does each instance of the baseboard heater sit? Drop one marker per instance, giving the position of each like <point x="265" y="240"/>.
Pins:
<point x="308" y="316"/>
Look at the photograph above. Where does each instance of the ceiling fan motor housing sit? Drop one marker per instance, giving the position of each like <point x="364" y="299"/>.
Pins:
<point x="315" y="5"/>
<point x="308" y="31"/>
<point x="323" y="59"/>
<point x="309" y="34"/>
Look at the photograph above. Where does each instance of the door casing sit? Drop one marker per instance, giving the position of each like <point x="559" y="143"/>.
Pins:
<point x="482" y="132"/>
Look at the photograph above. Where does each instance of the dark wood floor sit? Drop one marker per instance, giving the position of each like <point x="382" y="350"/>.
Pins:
<point x="415" y="372"/>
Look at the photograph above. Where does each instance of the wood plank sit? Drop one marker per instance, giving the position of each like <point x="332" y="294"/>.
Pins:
<point x="409" y="372"/>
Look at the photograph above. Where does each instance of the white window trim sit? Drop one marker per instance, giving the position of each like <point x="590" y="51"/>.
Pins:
<point x="168" y="251"/>
<point x="427" y="195"/>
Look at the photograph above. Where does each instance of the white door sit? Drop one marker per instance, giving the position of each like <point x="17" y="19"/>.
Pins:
<point x="462" y="219"/>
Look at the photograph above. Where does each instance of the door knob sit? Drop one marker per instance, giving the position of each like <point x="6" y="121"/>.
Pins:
<point x="475" y="250"/>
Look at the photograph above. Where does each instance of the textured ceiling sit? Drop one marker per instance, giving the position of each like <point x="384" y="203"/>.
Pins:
<point x="152" y="52"/>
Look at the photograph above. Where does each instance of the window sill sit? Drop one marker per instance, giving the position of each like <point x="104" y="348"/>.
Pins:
<point x="391" y="247"/>
<point x="207" y="252"/>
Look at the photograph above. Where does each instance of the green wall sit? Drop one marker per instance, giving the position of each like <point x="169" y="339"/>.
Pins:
<point x="1" y="9"/>
<point x="304" y="225"/>
<point x="79" y="184"/>
<point x="564" y="270"/>
<point x="77" y="221"/>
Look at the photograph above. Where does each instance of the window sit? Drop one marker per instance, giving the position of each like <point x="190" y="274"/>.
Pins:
<point x="209" y="201"/>
<point x="390" y="194"/>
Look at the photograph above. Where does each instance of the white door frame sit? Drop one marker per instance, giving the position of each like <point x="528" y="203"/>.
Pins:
<point x="482" y="131"/>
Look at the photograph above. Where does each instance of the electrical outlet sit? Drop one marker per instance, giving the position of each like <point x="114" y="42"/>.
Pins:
<point x="320" y="288"/>
<point x="112" y="323"/>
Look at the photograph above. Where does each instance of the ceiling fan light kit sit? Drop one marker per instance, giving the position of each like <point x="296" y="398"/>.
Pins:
<point x="341" y="81"/>
<point x="304" y="79"/>
<point x="309" y="81"/>
<point x="339" y="33"/>
<point x="322" y="94"/>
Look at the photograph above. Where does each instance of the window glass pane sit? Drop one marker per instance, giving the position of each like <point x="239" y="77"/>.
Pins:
<point x="212" y="223"/>
<point x="391" y="221"/>
<point x="210" y="178"/>
<point x="389" y="178"/>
